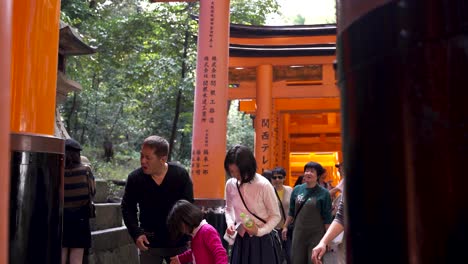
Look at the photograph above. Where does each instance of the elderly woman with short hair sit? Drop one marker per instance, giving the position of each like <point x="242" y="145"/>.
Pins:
<point x="310" y="208"/>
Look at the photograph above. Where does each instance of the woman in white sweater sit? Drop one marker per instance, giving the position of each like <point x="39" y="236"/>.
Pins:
<point x="250" y="195"/>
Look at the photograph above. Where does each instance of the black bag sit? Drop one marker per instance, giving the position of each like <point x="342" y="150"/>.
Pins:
<point x="278" y="246"/>
<point x="275" y="237"/>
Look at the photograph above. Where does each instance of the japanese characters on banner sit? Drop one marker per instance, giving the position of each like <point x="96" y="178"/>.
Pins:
<point x="208" y="111"/>
<point x="264" y="161"/>
<point x="275" y="142"/>
<point x="209" y="120"/>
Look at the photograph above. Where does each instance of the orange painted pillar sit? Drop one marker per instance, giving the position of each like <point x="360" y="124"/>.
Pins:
<point x="5" y="64"/>
<point x="36" y="156"/>
<point x="210" y="113"/>
<point x="285" y="149"/>
<point x="263" y="117"/>
<point x="34" y="70"/>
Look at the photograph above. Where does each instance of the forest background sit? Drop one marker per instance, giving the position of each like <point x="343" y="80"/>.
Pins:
<point x="141" y="80"/>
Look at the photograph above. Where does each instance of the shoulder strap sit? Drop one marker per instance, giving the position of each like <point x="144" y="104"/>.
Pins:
<point x="302" y="204"/>
<point x="242" y="198"/>
<point x="281" y="204"/>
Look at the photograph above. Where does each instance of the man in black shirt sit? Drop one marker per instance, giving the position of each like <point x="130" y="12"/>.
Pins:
<point x="153" y="189"/>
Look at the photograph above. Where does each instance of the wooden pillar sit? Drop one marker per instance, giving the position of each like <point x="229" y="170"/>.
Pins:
<point x="36" y="157"/>
<point x="404" y="129"/>
<point x="34" y="70"/>
<point x="5" y="64"/>
<point x="284" y="145"/>
<point x="210" y="113"/>
<point x="263" y="117"/>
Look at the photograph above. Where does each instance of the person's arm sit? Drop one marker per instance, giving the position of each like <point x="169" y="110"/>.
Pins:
<point x="185" y="257"/>
<point x="340" y="212"/>
<point x="188" y="187"/>
<point x="214" y="245"/>
<point x="317" y="253"/>
<point x="292" y="210"/>
<point x="338" y="188"/>
<point x="284" y="231"/>
<point x="229" y="209"/>
<point x="335" y="229"/>
<point x="333" y="191"/>
<point x="129" y="209"/>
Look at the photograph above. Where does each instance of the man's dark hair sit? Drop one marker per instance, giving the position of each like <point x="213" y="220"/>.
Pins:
<point x="183" y="212"/>
<point x="243" y="157"/>
<point x="267" y="174"/>
<point x="158" y="144"/>
<point x="316" y="166"/>
<point x="279" y="170"/>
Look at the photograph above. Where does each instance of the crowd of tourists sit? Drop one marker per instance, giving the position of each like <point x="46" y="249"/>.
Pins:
<point x="267" y="221"/>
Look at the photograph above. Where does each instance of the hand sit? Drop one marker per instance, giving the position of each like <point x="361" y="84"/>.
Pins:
<point x="231" y="230"/>
<point x="252" y="231"/>
<point x="142" y="243"/>
<point x="284" y="233"/>
<point x="175" y="260"/>
<point x="317" y="253"/>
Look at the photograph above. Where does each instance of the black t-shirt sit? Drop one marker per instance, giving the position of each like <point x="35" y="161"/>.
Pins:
<point x="154" y="202"/>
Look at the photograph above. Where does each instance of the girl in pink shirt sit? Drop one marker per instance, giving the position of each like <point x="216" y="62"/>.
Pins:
<point x="206" y="247"/>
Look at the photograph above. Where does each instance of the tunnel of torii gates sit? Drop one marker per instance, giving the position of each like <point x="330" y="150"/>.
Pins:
<point x="284" y="77"/>
<point x="402" y="72"/>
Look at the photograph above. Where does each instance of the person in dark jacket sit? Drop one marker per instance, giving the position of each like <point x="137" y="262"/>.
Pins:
<point x="153" y="189"/>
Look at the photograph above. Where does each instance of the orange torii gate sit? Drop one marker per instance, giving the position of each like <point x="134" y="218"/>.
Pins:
<point x="403" y="101"/>
<point x="284" y="76"/>
<point x="290" y="68"/>
<point x="210" y="112"/>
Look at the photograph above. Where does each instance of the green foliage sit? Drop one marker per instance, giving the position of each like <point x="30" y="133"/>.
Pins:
<point x="130" y="84"/>
<point x="252" y="12"/>
<point x="239" y="128"/>
<point x="118" y="169"/>
<point x="299" y="20"/>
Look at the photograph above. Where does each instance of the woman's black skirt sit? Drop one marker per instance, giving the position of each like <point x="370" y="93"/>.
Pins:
<point x="254" y="250"/>
<point x="76" y="231"/>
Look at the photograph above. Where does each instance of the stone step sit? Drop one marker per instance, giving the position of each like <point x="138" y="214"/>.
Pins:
<point x="114" y="246"/>
<point x="102" y="191"/>
<point x="108" y="215"/>
<point x="109" y="191"/>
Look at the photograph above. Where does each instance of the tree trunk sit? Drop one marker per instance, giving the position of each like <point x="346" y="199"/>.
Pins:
<point x="179" y="92"/>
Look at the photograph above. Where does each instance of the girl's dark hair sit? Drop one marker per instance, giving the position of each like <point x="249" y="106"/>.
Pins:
<point x="314" y="165"/>
<point x="243" y="157"/>
<point x="183" y="212"/>
<point x="72" y="158"/>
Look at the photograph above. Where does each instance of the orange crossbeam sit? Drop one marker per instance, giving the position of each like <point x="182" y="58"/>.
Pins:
<point x="283" y="40"/>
